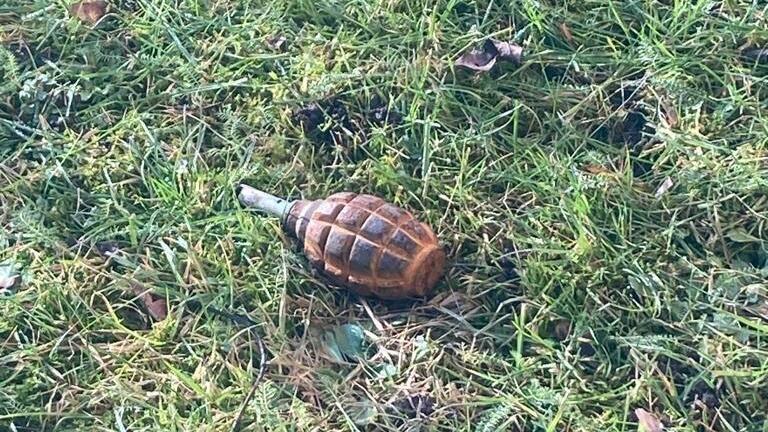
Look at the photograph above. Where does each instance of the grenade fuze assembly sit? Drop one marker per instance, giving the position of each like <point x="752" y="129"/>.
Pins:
<point x="359" y="241"/>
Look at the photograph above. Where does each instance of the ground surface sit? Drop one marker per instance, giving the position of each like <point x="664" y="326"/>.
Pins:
<point x="603" y="206"/>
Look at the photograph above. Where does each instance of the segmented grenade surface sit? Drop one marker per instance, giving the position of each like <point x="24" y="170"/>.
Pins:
<point x="363" y="242"/>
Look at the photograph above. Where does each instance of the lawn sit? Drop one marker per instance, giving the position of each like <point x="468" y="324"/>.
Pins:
<point x="603" y="204"/>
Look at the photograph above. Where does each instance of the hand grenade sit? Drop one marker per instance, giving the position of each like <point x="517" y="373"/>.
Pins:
<point x="359" y="241"/>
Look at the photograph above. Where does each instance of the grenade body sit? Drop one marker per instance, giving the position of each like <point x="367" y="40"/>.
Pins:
<point x="365" y="244"/>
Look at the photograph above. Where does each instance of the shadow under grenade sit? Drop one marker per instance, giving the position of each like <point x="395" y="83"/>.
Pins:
<point x="359" y="241"/>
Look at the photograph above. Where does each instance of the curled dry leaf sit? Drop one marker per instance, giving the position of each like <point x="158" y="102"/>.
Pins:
<point x="157" y="307"/>
<point x="483" y="58"/>
<point x="648" y="422"/>
<point x="89" y="11"/>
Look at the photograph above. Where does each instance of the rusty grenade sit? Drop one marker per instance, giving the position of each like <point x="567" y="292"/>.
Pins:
<point x="359" y="241"/>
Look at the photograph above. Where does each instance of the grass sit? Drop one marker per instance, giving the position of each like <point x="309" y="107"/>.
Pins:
<point x="576" y="293"/>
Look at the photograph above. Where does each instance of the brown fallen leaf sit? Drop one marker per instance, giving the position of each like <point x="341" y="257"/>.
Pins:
<point x="483" y="59"/>
<point x="89" y="11"/>
<point x="156" y="307"/>
<point x="648" y="421"/>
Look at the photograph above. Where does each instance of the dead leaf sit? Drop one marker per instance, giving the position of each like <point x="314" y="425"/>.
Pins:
<point x="89" y="11"/>
<point x="157" y="307"/>
<point x="566" y="32"/>
<point x="483" y="59"/>
<point x="647" y="421"/>
<point x="664" y="188"/>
